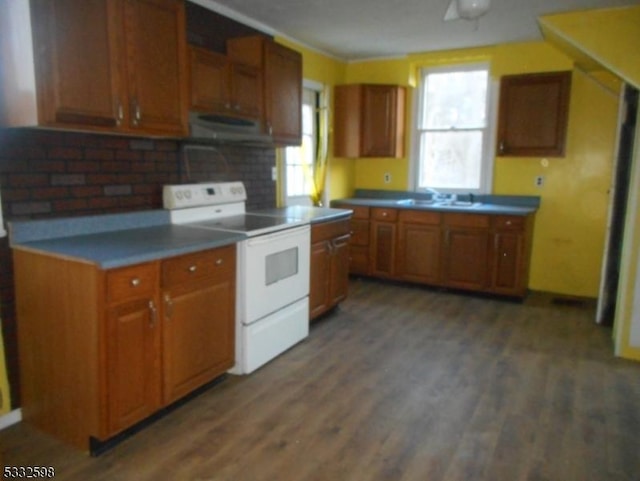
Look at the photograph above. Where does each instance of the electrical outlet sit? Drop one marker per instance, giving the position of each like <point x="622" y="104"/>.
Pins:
<point x="274" y="173"/>
<point x="387" y="177"/>
<point x="539" y="181"/>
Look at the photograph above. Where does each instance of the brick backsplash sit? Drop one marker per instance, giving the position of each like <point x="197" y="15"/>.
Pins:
<point x="46" y="174"/>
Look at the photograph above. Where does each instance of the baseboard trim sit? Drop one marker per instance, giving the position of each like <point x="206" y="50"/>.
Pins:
<point x="11" y="418"/>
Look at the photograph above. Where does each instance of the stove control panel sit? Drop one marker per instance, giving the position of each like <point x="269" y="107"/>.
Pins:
<point x="195" y="195"/>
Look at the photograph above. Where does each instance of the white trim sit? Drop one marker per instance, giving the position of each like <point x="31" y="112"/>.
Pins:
<point x="377" y="59"/>
<point x="312" y="85"/>
<point x="11" y="418"/>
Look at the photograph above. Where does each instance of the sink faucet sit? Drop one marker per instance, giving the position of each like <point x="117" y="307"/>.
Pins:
<point x="435" y="195"/>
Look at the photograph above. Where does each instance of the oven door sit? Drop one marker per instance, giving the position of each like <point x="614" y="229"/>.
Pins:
<point x="273" y="272"/>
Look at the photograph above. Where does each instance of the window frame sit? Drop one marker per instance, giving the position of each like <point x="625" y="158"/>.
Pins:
<point x="286" y="200"/>
<point x="489" y="132"/>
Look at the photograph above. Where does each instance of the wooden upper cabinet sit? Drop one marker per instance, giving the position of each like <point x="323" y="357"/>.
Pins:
<point x="369" y="121"/>
<point x="220" y="86"/>
<point x="210" y="80"/>
<point x="101" y="65"/>
<point x="533" y="114"/>
<point x="76" y="62"/>
<point x="282" y="84"/>
<point x="156" y="61"/>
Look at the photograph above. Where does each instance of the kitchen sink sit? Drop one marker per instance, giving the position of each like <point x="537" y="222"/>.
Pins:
<point x="439" y="203"/>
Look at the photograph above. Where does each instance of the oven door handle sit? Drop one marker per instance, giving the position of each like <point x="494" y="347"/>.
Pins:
<point x="286" y="233"/>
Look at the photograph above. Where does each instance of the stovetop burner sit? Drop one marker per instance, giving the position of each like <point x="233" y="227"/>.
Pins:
<point x="249" y="224"/>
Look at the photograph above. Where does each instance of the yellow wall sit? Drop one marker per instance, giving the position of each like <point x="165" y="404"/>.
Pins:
<point x="570" y="225"/>
<point x="608" y="36"/>
<point x="327" y="71"/>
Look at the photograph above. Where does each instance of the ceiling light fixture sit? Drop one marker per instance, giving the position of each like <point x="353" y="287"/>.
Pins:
<point x="467" y="9"/>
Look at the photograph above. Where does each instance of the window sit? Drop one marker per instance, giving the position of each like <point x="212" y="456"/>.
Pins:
<point x="453" y="145"/>
<point x="298" y="168"/>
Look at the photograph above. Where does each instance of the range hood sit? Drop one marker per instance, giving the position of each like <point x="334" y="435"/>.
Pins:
<point x="216" y="128"/>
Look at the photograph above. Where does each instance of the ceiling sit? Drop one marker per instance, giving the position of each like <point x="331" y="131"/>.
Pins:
<point x="365" y="29"/>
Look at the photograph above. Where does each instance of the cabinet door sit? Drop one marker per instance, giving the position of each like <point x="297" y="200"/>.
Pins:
<point x="133" y="363"/>
<point x="198" y="335"/>
<point x="246" y="91"/>
<point x="77" y="67"/>
<point x="156" y="65"/>
<point x="419" y="253"/>
<point x="382" y="256"/>
<point x="339" y="272"/>
<point x="382" y="114"/>
<point x="466" y="258"/>
<point x="319" y="281"/>
<point x="507" y="263"/>
<point x="283" y="93"/>
<point x="533" y="114"/>
<point x="210" y="80"/>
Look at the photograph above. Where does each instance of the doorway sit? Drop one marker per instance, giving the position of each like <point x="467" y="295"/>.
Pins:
<point x="617" y="212"/>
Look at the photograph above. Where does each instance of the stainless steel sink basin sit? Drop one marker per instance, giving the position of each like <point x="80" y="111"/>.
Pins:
<point x="459" y="203"/>
<point x="416" y="202"/>
<point x="439" y="203"/>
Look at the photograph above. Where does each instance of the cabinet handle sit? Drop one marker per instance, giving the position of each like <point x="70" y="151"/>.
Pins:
<point x="219" y="262"/>
<point x="135" y="282"/>
<point x="193" y="268"/>
<point x="504" y="254"/>
<point x="120" y="115"/>
<point x="168" y="304"/>
<point x="508" y="222"/>
<point x="384" y="214"/>
<point x="270" y="128"/>
<point x="502" y="147"/>
<point x="446" y="237"/>
<point x="137" y="114"/>
<point x="154" y="314"/>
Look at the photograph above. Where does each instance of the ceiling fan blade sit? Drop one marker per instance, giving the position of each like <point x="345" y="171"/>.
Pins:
<point x="452" y="11"/>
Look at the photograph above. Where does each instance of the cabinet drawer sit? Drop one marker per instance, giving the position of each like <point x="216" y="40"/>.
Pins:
<point x="132" y="282"/>
<point x="419" y="217"/>
<point x="467" y="220"/>
<point x="380" y="213"/>
<point x="359" y="212"/>
<point x="509" y="222"/>
<point x="213" y="263"/>
<point x="329" y="230"/>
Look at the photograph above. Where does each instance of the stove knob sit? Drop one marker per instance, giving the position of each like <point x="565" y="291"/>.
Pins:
<point x="179" y="195"/>
<point x="187" y="194"/>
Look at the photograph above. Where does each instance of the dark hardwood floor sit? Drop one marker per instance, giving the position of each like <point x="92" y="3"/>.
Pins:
<point x="400" y="383"/>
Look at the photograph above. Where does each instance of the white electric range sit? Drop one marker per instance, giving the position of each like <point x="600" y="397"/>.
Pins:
<point x="272" y="294"/>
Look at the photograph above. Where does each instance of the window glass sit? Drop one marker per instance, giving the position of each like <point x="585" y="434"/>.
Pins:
<point x="453" y="130"/>
<point x="299" y="160"/>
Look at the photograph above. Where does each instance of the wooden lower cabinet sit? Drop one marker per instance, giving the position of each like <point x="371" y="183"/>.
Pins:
<point x="359" y="241"/>
<point x="133" y="363"/>
<point x="382" y="251"/>
<point x="466" y="251"/>
<point x="99" y="351"/>
<point x="419" y="246"/>
<point x="478" y="252"/>
<point x="510" y="253"/>
<point x="329" y="270"/>
<point x="197" y="346"/>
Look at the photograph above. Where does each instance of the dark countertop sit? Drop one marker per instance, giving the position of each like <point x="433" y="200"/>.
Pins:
<point x="306" y="213"/>
<point x="125" y="239"/>
<point x="486" y="204"/>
